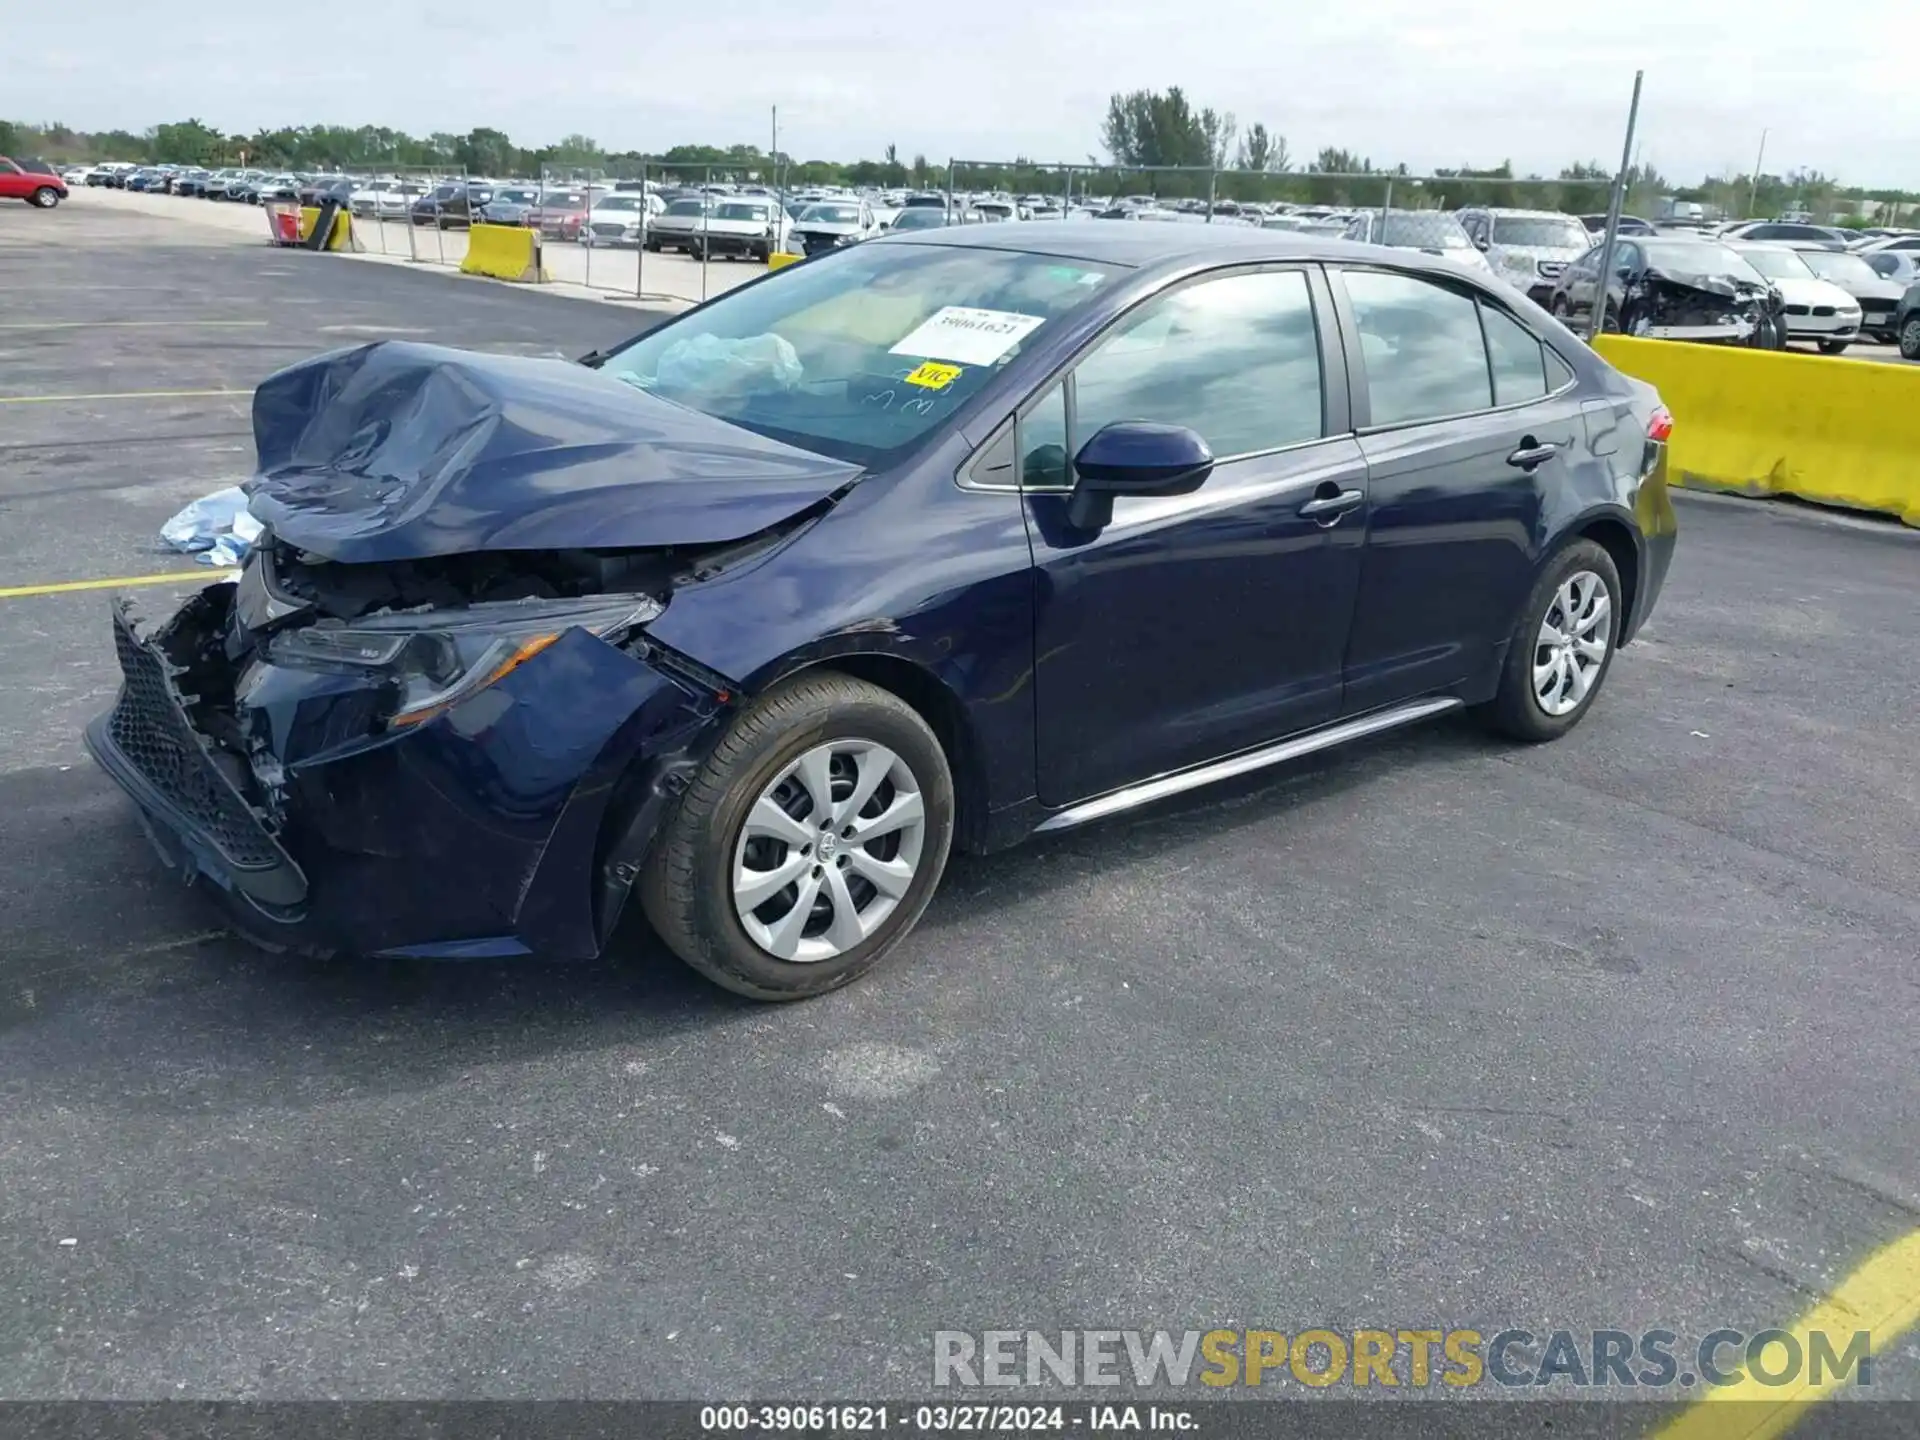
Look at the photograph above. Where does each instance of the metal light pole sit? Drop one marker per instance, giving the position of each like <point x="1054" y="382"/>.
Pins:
<point x="1753" y="192"/>
<point x="1615" y="203"/>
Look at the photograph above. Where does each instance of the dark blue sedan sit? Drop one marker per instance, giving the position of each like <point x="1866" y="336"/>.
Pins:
<point x="940" y="540"/>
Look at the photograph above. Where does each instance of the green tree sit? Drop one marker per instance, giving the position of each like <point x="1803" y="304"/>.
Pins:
<point x="1147" y="129"/>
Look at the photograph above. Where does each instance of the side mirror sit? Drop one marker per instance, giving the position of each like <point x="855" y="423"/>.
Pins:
<point x="1134" y="457"/>
<point x="1482" y="243"/>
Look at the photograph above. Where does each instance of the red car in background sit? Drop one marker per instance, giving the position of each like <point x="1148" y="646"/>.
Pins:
<point x="560" y="214"/>
<point x="20" y="181"/>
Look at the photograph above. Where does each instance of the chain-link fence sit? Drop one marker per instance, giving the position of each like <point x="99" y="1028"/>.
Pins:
<point x="414" y="212"/>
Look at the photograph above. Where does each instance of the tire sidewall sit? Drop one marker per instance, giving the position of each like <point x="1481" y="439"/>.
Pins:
<point x="46" y="197"/>
<point x="714" y="920"/>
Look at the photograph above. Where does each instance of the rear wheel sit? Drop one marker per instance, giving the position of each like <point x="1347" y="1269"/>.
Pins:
<point x="808" y="845"/>
<point x="46" y="197"/>
<point x="1561" y="647"/>
<point x="1909" y="338"/>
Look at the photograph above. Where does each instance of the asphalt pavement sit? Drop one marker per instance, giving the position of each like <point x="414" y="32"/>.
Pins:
<point x="1611" y="1033"/>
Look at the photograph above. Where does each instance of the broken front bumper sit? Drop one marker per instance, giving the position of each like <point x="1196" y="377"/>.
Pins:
<point x="512" y="823"/>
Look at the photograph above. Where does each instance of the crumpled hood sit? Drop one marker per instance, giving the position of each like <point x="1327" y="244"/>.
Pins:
<point x="1725" y="285"/>
<point x="399" y="451"/>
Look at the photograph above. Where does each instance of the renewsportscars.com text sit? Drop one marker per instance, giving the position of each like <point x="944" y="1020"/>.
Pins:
<point x="1392" y="1359"/>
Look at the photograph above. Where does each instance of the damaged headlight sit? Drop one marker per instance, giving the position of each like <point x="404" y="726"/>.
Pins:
<point x="437" y="658"/>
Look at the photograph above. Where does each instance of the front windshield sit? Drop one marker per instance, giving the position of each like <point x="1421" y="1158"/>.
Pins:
<point x="743" y="212"/>
<point x="518" y="197"/>
<point x="1698" y="257"/>
<point x="859" y="355"/>
<point x="620" y="202"/>
<point x="1841" y="269"/>
<point x="833" y="214"/>
<point x="687" y="207"/>
<point x="1547" y="232"/>
<point x="1777" y="264"/>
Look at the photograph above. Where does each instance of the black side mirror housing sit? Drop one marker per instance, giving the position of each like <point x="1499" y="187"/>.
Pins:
<point x="1134" y="457"/>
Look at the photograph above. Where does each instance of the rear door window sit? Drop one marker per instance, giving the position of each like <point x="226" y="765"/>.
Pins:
<point x="1519" y="361"/>
<point x="1425" y="355"/>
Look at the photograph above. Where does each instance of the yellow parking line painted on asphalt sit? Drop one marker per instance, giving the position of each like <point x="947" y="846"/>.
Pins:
<point x="67" y="587"/>
<point x="118" y="395"/>
<point x="1881" y="1297"/>
<point x="131" y="324"/>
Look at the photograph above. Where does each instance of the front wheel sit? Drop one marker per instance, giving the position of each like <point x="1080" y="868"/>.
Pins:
<point x="1561" y="647"/>
<point x="46" y="197"/>
<point x="809" y="843"/>
<point x="1909" y="338"/>
<point x="1834" y="347"/>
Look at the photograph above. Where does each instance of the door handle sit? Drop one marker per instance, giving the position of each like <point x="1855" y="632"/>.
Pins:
<point x="1532" y="454"/>
<point x="1328" y="508"/>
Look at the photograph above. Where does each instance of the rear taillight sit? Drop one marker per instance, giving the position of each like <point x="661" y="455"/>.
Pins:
<point x="1660" y="426"/>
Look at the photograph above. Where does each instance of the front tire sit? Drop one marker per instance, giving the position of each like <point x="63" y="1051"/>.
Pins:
<point x="1834" y="347"/>
<point x="1561" y="647"/>
<point x="809" y="843"/>
<point x="1909" y="338"/>
<point x="45" y="198"/>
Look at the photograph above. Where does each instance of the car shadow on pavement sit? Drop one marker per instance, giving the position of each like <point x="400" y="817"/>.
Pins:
<point x="111" y="966"/>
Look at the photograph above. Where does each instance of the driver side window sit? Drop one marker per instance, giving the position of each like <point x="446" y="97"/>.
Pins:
<point x="1235" y="359"/>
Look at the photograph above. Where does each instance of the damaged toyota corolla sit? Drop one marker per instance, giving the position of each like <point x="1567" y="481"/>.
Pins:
<point x="934" y="542"/>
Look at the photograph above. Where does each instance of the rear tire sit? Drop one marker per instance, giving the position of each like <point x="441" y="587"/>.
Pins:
<point x="1909" y="338"/>
<point x="1545" y="685"/>
<point x="774" y="762"/>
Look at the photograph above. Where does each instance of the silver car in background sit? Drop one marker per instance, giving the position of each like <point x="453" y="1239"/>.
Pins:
<point x="1433" y="232"/>
<point x="1526" y="248"/>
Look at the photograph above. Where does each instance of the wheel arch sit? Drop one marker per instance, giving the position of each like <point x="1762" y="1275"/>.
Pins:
<point x="935" y="702"/>
<point x="1614" y="533"/>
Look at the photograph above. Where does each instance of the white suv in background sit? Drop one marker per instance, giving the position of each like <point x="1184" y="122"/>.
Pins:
<point x="1526" y="248"/>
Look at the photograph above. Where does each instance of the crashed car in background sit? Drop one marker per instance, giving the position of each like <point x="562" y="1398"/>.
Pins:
<point x="1668" y="288"/>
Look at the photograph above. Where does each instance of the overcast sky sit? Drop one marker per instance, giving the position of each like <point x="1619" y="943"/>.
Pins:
<point x="1427" y="82"/>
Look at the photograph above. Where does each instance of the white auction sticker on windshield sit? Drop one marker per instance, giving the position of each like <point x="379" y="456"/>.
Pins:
<point x="968" y="337"/>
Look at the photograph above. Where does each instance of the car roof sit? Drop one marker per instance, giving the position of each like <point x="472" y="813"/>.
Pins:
<point x="1135" y="245"/>
<point x="1514" y="213"/>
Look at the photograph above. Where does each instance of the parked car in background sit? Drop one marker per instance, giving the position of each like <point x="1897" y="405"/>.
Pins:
<point x="1877" y="296"/>
<point x="1906" y="323"/>
<point x="427" y="209"/>
<point x="1667" y="287"/>
<point x="396" y="202"/>
<point x="562" y="212"/>
<point x="678" y="226"/>
<point x="1816" y="309"/>
<point x="192" y="182"/>
<point x="272" y="189"/>
<point x="1824" y="236"/>
<point x="1902" y="267"/>
<point x="620" y="219"/>
<point x="510" y="205"/>
<point x="835" y="223"/>
<point x="36" y="187"/>
<point x="1629" y="225"/>
<point x="337" y="189"/>
<point x="1526" y="248"/>
<point x="751" y="229"/>
<point x="1434" y="232"/>
<point x="670" y="629"/>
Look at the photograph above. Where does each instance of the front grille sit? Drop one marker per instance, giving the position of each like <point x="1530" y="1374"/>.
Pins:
<point x="1800" y="310"/>
<point x="149" y="727"/>
<point x="1550" y="269"/>
<point x="1877" y="307"/>
<point x="610" y="228"/>
<point x="1825" y="311"/>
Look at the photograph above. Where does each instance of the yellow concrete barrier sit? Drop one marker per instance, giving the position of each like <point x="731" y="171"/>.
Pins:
<point x="779" y="260"/>
<point x="342" y="236"/>
<point x="1764" y="422"/>
<point x="506" y="252"/>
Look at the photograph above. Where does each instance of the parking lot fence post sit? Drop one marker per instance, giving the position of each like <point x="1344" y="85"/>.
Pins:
<point x="1213" y="191"/>
<point x="586" y="234"/>
<point x="1386" y="204"/>
<point x="706" y="243"/>
<point x="646" y="224"/>
<point x="949" y="191"/>
<point x="1597" y="321"/>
